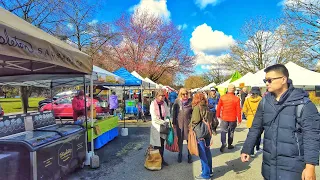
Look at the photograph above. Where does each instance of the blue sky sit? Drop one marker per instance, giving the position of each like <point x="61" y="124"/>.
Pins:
<point x="209" y="26"/>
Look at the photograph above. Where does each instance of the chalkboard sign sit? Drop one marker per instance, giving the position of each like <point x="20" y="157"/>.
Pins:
<point x="317" y="91"/>
<point x="41" y="119"/>
<point x="12" y="124"/>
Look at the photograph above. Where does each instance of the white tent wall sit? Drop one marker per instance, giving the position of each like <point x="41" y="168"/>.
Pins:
<point x="224" y="84"/>
<point x="207" y="87"/>
<point x="244" y="79"/>
<point x="145" y="84"/>
<point x="300" y="77"/>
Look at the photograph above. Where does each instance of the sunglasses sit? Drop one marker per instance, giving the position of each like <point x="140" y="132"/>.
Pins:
<point x="270" y="80"/>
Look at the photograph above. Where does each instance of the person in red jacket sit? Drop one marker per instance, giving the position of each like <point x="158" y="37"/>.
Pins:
<point x="229" y="112"/>
<point x="78" y="105"/>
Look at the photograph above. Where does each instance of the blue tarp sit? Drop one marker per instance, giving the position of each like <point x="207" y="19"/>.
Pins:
<point x="130" y="80"/>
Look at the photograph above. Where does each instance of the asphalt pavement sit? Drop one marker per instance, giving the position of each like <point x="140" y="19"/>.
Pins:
<point x="123" y="159"/>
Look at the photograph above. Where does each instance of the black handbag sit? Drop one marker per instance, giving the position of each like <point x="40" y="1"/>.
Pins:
<point x="203" y="128"/>
<point x="164" y="128"/>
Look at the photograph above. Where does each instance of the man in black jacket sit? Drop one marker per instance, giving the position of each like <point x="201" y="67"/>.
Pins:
<point x="291" y="144"/>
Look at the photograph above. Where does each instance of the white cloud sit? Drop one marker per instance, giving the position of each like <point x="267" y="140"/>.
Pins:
<point x="70" y="26"/>
<point x="183" y="26"/>
<point x="213" y="60"/>
<point x="295" y="2"/>
<point x="93" y="22"/>
<point x="204" y="39"/>
<point x="157" y="7"/>
<point x="204" y="3"/>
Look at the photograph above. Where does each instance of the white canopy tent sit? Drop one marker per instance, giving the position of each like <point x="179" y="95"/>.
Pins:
<point x="151" y="82"/>
<point x="244" y="79"/>
<point x="99" y="76"/>
<point x="301" y="77"/>
<point x="224" y="84"/>
<point x="145" y="83"/>
<point x="207" y="87"/>
<point x="27" y="53"/>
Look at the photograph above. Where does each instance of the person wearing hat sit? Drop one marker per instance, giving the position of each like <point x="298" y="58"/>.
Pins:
<point x="212" y="104"/>
<point x="78" y="105"/>
<point x="249" y="109"/>
<point x="160" y="115"/>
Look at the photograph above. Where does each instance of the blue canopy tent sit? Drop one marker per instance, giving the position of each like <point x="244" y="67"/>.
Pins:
<point x="130" y="81"/>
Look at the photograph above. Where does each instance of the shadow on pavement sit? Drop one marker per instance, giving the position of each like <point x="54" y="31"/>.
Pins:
<point x="234" y="165"/>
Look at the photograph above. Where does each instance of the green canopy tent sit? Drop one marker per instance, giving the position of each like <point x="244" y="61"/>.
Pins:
<point x="235" y="76"/>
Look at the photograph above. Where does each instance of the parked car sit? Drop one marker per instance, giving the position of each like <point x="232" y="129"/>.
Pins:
<point x="57" y="96"/>
<point x="1" y="111"/>
<point x="62" y="107"/>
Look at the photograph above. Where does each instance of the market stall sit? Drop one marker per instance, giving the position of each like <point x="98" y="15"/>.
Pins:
<point x="27" y="53"/>
<point x="104" y="131"/>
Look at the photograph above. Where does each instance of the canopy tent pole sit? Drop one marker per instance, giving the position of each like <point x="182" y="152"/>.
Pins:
<point x="142" y="101"/>
<point x="85" y="109"/>
<point x="91" y="115"/>
<point x="51" y="96"/>
<point x="124" y="106"/>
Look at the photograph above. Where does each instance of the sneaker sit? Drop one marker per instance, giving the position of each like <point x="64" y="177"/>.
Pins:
<point x="211" y="174"/>
<point x="230" y="147"/>
<point x="202" y="178"/>
<point x="259" y="150"/>
<point x="165" y="163"/>
<point x="222" y="148"/>
<point x="252" y="155"/>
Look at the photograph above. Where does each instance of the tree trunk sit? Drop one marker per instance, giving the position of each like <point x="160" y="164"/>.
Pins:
<point x="24" y="99"/>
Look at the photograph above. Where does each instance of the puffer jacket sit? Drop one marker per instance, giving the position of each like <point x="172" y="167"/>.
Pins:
<point x="249" y="109"/>
<point x="229" y="108"/>
<point x="113" y="101"/>
<point x="287" y="149"/>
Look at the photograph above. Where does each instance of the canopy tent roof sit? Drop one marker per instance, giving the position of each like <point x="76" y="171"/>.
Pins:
<point x="26" y="50"/>
<point x="158" y="86"/>
<point x="224" y="84"/>
<point x="300" y="76"/>
<point x="235" y="76"/>
<point x="144" y="82"/>
<point x="207" y="87"/>
<point x="100" y="77"/>
<point x="168" y="88"/>
<point x="244" y="79"/>
<point x="130" y="80"/>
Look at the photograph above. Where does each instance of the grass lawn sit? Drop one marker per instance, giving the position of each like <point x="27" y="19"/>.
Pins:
<point x="12" y="105"/>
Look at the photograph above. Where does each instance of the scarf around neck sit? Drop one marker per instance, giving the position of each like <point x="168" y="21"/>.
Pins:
<point x="157" y="110"/>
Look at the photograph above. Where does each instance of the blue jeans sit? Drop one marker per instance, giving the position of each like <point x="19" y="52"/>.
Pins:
<point x="205" y="157"/>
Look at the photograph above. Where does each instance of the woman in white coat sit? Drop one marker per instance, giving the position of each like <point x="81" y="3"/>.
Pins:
<point x="159" y="116"/>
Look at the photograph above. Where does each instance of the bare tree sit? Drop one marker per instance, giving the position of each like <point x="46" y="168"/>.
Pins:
<point x="41" y="13"/>
<point x="217" y="74"/>
<point x="149" y="46"/>
<point x="303" y="18"/>
<point x="267" y="43"/>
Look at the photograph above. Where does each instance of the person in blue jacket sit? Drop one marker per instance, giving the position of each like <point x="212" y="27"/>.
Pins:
<point x="212" y="104"/>
<point x="291" y="140"/>
<point x="172" y="98"/>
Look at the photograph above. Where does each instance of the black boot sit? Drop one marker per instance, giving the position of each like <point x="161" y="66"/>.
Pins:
<point x="189" y="158"/>
<point x="179" y="158"/>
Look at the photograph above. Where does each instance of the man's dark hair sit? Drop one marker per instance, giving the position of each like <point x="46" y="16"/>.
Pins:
<point x="114" y="93"/>
<point x="280" y="68"/>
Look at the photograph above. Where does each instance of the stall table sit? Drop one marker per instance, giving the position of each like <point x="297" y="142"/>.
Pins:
<point x="108" y="131"/>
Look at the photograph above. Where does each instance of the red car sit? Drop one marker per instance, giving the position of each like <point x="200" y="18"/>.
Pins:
<point x="63" y="107"/>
